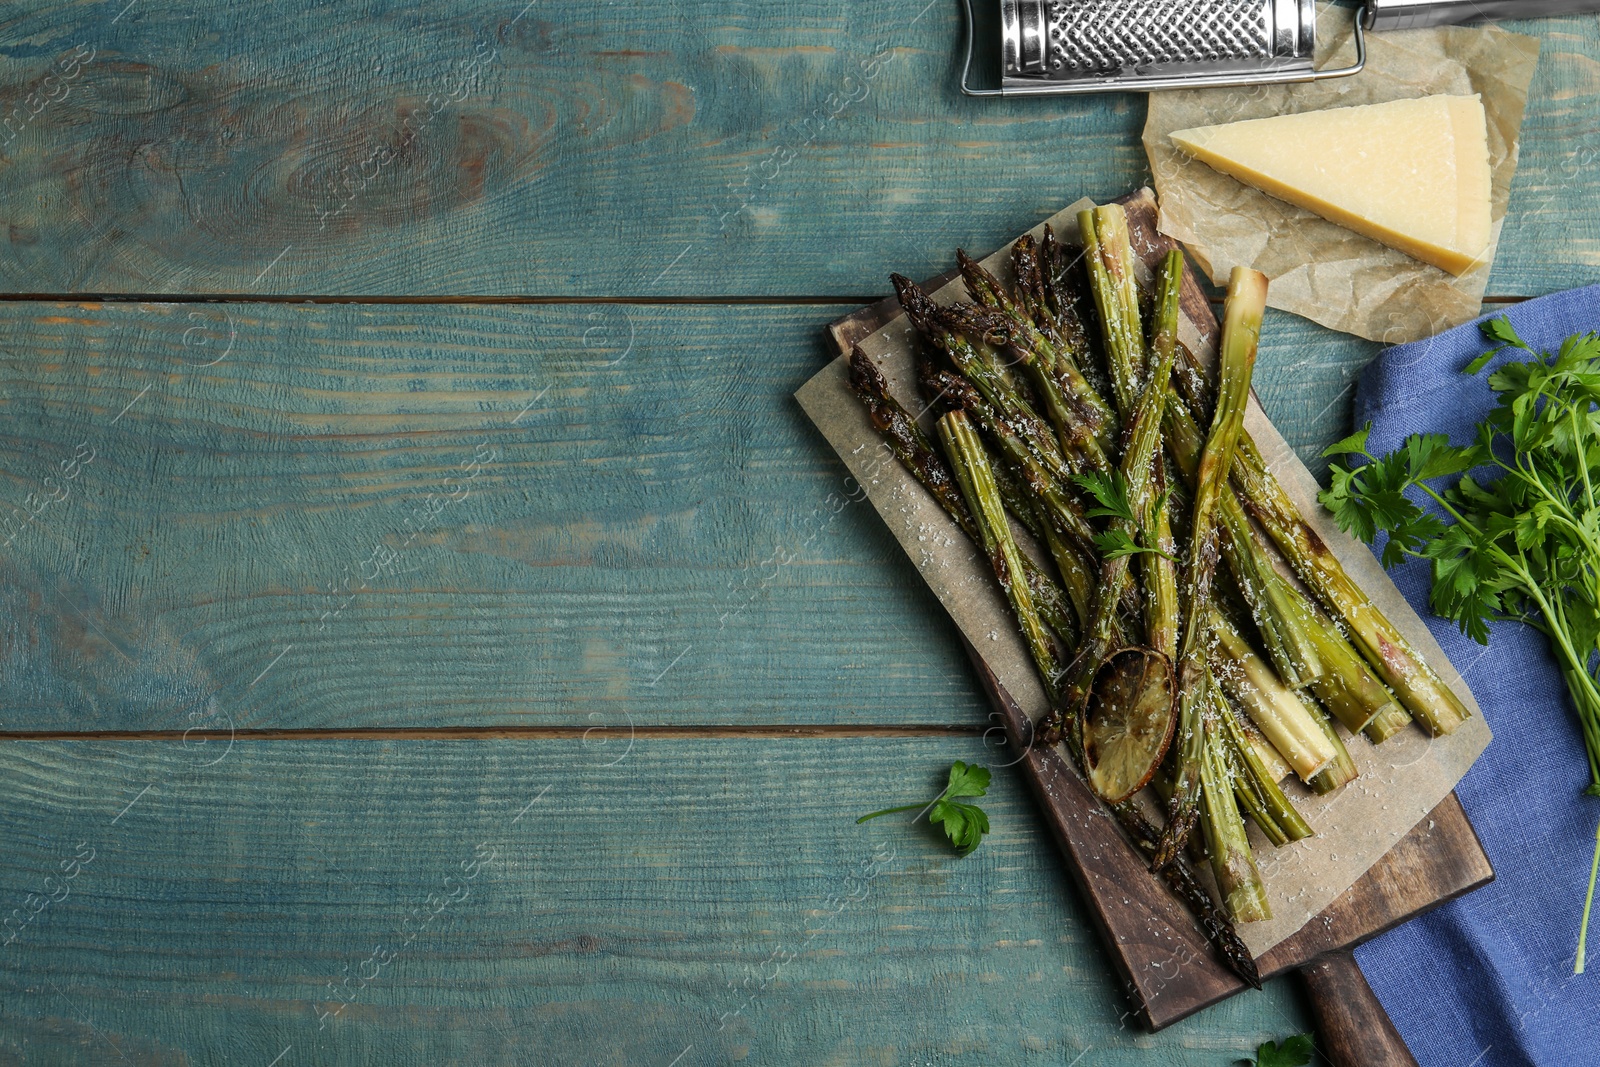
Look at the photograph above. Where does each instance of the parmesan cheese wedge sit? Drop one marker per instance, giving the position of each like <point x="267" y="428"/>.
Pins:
<point x="1410" y="174"/>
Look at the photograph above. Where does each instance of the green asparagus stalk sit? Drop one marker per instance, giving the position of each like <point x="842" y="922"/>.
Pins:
<point x="1020" y="502"/>
<point x="1250" y="801"/>
<point x="1232" y="863"/>
<point x="1277" y="711"/>
<point x="1253" y="777"/>
<point x="1271" y="759"/>
<point x="1162" y="610"/>
<point x="1034" y="291"/>
<point x="1284" y="617"/>
<point x="1070" y="305"/>
<point x="1241" y="332"/>
<point x="1419" y="688"/>
<point x="1109" y="255"/>
<point x="1387" y="723"/>
<point x="982" y="496"/>
<point x="1159" y="569"/>
<point x="1181" y="879"/>
<point x="1348" y="688"/>
<point x="1342" y="771"/>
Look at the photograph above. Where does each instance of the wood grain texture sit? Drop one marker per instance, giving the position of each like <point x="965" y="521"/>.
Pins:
<point x="569" y="149"/>
<point x="645" y="898"/>
<point x="1355" y="1030"/>
<point x="255" y="467"/>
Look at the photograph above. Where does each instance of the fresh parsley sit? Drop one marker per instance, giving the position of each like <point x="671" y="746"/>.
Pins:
<point x="1517" y="534"/>
<point x="1294" y="1051"/>
<point x="1110" y="493"/>
<point x="964" y="824"/>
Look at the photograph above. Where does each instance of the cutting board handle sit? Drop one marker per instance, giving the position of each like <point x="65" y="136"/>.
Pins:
<point x="1355" y="1031"/>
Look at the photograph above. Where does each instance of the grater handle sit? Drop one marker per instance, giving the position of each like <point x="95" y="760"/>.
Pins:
<point x="966" y="62"/>
<point x="1414" y="14"/>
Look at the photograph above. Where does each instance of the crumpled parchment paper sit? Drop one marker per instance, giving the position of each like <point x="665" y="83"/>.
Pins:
<point x="1319" y="269"/>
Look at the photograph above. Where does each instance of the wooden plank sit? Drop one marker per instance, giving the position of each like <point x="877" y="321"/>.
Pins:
<point x="457" y="516"/>
<point x="717" y="895"/>
<point x="568" y="149"/>
<point x="662" y="497"/>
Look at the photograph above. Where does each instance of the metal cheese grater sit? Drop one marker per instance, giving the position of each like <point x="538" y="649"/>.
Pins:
<point x="1049" y="47"/>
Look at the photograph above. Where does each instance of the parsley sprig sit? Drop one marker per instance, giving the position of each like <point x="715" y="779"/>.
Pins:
<point x="1110" y="492"/>
<point x="1517" y="536"/>
<point x="964" y="824"/>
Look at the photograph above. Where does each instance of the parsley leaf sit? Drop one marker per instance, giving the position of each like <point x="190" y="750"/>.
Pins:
<point x="1110" y="491"/>
<point x="967" y="780"/>
<point x="1355" y="444"/>
<point x="1291" y="1052"/>
<point x="963" y="824"/>
<point x="1500" y="329"/>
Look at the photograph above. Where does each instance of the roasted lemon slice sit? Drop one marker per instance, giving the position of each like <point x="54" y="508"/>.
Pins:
<point x="1128" y="722"/>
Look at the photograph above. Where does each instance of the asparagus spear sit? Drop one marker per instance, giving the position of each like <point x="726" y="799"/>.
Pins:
<point x="1267" y="803"/>
<point x="978" y="489"/>
<point x="1109" y="255"/>
<point x="1181" y="879"/>
<point x="1032" y="287"/>
<point x="1159" y="568"/>
<point x="1271" y="759"/>
<point x="1276" y="710"/>
<point x="912" y="447"/>
<point x="1348" y="688"/>
<point x="1071" y="310"/>
<point x="1160" y="574"/>
<point x="1241" y="332"/>
<point x="1020" y="501"/>
<point x="1387" y="723"/>
<point x="1232" y="863"/>
<point x="1342" y="770"/>
<point x="1419" y="688"/>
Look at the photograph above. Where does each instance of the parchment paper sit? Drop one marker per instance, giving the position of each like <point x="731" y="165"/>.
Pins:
<point x="1401" y="781"/>
<point x="1318" y="269"/>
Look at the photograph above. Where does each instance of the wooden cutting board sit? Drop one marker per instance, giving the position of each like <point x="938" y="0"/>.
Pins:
<point x="1166" y="977"/>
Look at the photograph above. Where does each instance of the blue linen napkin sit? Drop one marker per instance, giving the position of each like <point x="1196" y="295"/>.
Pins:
<point x="1486" y="981"/>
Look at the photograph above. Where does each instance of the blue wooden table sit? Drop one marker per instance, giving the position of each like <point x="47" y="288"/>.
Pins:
<point x="429" y="631"/>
